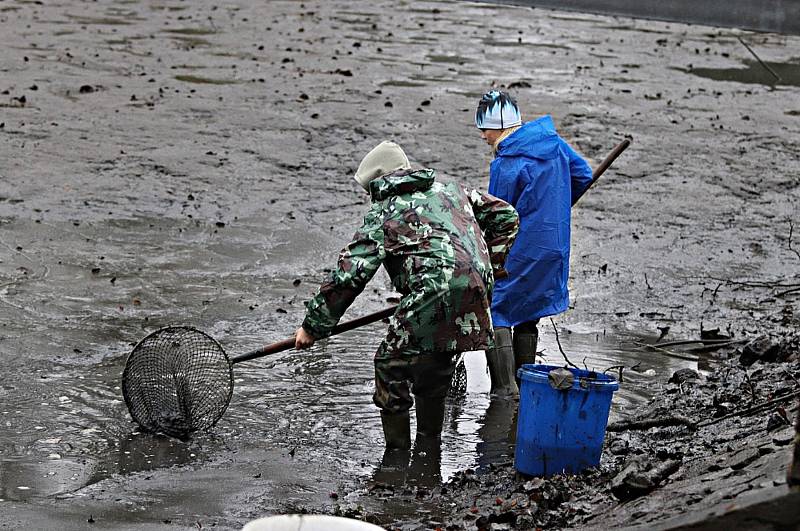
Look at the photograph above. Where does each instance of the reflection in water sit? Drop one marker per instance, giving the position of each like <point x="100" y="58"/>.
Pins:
<point x="23" y="478"/>
<point x="393" y="469"/>
<point x="425" y="469"/>
<point x="480" y="430"/>
<point x="39" y="475"/>
<point x="498" y="433"/>
<point x="420" y="467"/>
<point x="142" y="451"/>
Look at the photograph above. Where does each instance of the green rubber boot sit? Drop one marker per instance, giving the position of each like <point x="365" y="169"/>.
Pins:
<point x="500" y="360"/>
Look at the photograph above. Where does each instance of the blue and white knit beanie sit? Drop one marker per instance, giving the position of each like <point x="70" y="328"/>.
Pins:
<point x="497" y="110"/>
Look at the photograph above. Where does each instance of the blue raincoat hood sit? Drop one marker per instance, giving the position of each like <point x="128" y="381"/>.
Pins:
<point x="537" y="139"/>
<point x="538" y="173"/>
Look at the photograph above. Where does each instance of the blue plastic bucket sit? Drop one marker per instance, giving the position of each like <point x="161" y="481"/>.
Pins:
<point x="561" y="430"/>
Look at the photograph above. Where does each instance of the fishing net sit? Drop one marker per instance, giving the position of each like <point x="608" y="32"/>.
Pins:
<point x="458" y="383"/>
<point x="177" y="380"/>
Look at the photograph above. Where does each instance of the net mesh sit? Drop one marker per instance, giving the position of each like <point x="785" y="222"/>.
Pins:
<point x="458" y="383"/>
<point x="177" y="380"/>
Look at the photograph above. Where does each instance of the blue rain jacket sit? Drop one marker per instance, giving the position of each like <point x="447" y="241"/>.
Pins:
<point x="538" y="173"/>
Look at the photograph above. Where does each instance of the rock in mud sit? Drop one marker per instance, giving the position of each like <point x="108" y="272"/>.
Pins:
<point x="762" y="349"/>
<point x="618" y="446"/>
<point x="639" y="477"/>
<point x="777" y="419"/>
<point x="683" y="375"/>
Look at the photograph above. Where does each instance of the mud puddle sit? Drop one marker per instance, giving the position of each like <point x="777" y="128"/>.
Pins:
<point x="769" y="73"/>
<point x="316" y="405"/>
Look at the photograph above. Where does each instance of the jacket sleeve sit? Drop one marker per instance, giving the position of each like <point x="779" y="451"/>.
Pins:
<point x="579" y="170"/>
<point x="358" y="262"/>
<point x="498" y="221"/>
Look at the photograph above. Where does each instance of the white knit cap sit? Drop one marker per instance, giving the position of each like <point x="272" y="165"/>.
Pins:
<point x="384" y="158"/>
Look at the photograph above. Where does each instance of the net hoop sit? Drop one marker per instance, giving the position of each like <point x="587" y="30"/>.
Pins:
<point x="177" y="380"/>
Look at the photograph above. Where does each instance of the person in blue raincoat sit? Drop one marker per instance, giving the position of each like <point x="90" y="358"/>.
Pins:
<point x="538" y="173"/>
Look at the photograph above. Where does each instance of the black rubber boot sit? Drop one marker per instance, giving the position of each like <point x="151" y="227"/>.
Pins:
<point x="396" y="430"/>
<point x="430" y="416"/>
<point x="526" y="339"/>
<point x="500" y="360"/>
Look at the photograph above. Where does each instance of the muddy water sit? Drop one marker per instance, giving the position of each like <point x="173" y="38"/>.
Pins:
<point x="89" y="291"/>
<point x="191" y="164"/>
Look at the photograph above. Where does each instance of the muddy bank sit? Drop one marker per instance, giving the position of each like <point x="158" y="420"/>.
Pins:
<point x="710" y="444"/>
<point x="190" y="163"/>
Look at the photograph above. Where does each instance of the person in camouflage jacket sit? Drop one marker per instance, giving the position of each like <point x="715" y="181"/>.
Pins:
<point x="439" y="244"/>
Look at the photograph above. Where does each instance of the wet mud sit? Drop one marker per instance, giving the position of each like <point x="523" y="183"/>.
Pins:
<point x="184" y="164"/>
<point x="709" y="445"/>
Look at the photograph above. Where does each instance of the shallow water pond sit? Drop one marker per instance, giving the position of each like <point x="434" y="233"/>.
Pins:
<point x="314" y="404"/>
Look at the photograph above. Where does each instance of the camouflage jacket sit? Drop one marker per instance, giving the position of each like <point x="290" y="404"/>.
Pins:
<point x="439" y="243"/>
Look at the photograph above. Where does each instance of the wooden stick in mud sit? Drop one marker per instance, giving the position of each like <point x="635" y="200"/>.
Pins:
<point x="665" y="351"/>
<point x="709" y="342"/>
<point x="765" y="65"/>
<point x="748" y="411"/>
<point x="672" y="420"/>
<point x="558" y="342"/>
<point x="680" y="420"/>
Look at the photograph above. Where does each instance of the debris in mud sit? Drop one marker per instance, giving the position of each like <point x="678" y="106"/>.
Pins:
<point x="764" y="349"/>
<point x="650" y="455"/>
<point x="684" y="375"/>
<point x="640" y="476"/>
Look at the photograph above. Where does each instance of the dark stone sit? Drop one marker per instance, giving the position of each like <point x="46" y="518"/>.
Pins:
<point x="776" y="421"/>
<point x="618" y="447"/>
<point x="640" y="476"/>
<point x="723" y="408"/>
<point x="743" y="458"/>
<point x="525" y="521"/>
<point x="784" y="437"/>
<point x="506" y="517"/>
<point x="682" y="375"/>
<point x="761" y="349"/>
<point x="712" y="333"/>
